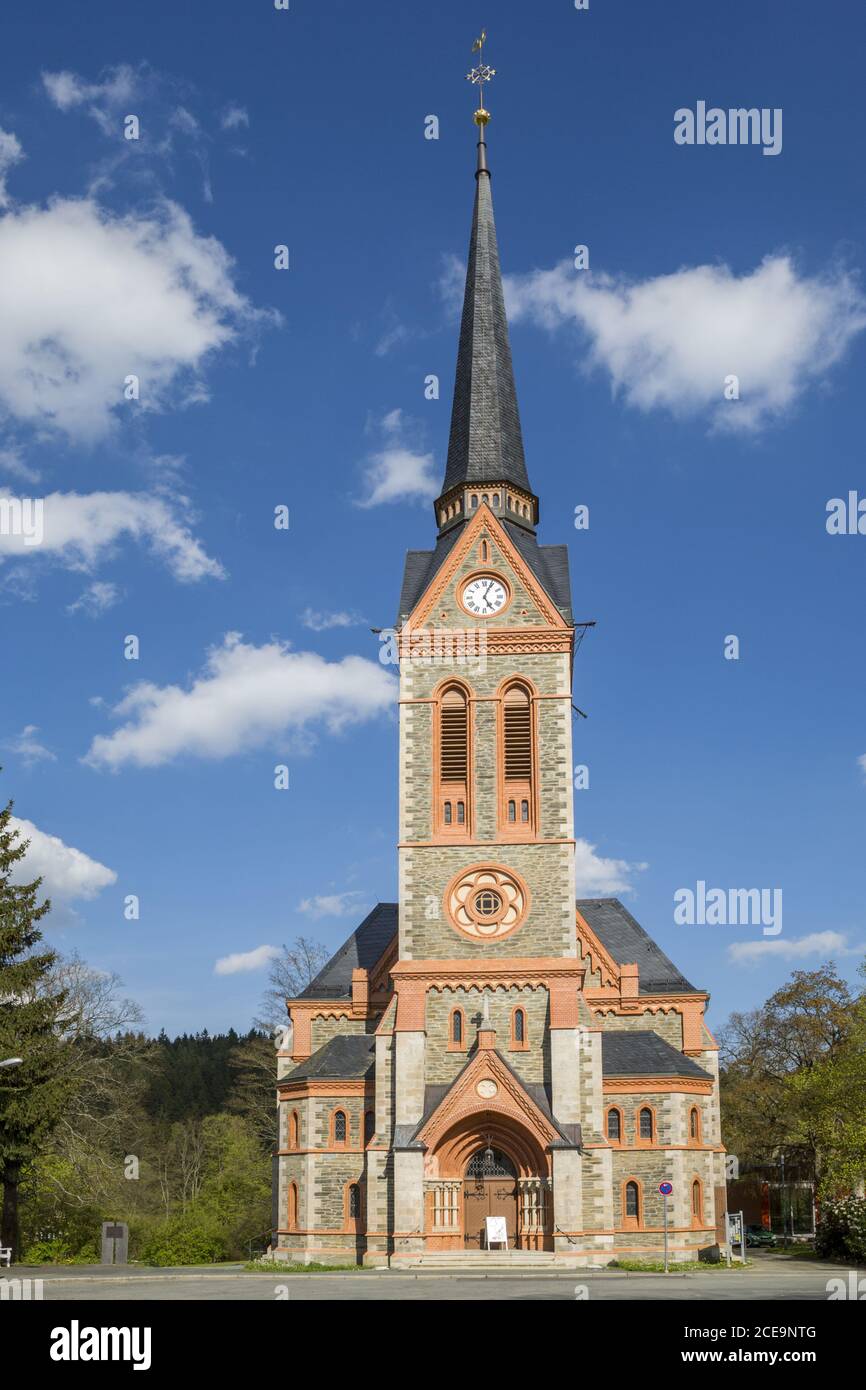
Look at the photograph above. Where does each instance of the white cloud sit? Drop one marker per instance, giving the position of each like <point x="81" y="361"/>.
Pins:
<point x="68" y="874"/>
<point x="244" y="961"/>
<point x="246" y="697"/>
<point x="861" y="763"/>
<point x="669" y="342"/>
<point x="103" y="100"/>
<point x="331" y="904"/>
<point x="596" y="875"/>
<point x="96" y="599"/>
<point x="819" y="943"/>
<point x="396" y="473"/>
<point x="10" y="153"/>
<point x="88" y="298"/>
<point x="12" y="463"/>
<point x="27" y="747"/>
<point x="451" y="285"/>
<point x="80" y="531"/>
<point x="321" y="622"/>
<point x="234" y="117"/>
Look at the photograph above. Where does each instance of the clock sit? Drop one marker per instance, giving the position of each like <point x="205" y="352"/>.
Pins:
<point x="484" y="595"/>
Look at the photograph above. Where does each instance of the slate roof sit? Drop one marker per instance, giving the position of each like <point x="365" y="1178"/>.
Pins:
<point x="349" y="1055"/>
<point x="363" y="949"/>
<point x="644" y="1054"/>
<point x="485" y="443"/>
<point x="626" y="941"/>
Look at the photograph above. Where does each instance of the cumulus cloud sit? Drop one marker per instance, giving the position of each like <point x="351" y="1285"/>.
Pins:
<point x="27" y="747"/>
<point x="321" y="622"/>
<point x="69" y="875"/>
<point x="820" y="943"/>
<point x="396" y="472"/>
<point x="246" y="697"/>
<point x="88" y="298"/>
<point x="595" y="874"/>
<point x="331" y="904"/>
<point x="81" y="530"/>
<point x="670" y="342"/>
<point x="242" y="962"/>
<point x="10" y="153"/>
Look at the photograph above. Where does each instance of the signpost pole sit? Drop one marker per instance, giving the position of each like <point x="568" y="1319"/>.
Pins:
<point x="665" y="1188"/>
<point x="666" y="1233"/>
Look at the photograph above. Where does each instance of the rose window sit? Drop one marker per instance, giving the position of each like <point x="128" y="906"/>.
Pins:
<point x="487" y="902"/>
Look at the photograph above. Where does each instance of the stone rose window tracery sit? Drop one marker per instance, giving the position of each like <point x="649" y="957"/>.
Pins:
<point x="487" y="902"/>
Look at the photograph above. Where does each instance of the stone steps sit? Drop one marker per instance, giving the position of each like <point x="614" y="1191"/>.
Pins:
<point x="479" y="1259"/>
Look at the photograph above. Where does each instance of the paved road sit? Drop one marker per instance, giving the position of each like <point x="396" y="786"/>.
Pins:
<point x="770" y="1277"/>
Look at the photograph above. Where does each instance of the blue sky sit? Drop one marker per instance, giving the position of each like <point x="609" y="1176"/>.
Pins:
<point x="305" y="387"/>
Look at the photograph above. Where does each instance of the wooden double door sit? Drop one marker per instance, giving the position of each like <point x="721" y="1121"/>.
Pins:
<point x="488" y="1194"/>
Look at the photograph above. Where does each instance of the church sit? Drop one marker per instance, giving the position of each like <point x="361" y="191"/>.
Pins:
<point x="491" y="1063"/>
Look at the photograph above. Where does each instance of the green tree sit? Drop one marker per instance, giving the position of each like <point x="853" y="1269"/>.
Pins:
<point x="32" y="1094"/>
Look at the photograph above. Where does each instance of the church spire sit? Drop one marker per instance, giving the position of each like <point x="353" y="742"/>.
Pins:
<point x="485" y="446"/>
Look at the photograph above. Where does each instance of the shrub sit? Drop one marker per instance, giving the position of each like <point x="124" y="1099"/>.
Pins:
<point x="183" y="1240"/>
<point x="841" y="1233"/>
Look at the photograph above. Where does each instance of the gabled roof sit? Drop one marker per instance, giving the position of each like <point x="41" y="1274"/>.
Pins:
<point x="627" y="942"/>
<point x="549" y="564"/>
<point x="645" y="1054"/>
<point x="345" y="1057"/>
<point x="364" y="948"/>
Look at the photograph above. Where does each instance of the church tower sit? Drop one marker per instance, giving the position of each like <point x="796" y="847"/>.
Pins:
<point x="487" y="1056"/>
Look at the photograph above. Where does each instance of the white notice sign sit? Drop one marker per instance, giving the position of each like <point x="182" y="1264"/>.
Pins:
<point x="496" y="1231"/>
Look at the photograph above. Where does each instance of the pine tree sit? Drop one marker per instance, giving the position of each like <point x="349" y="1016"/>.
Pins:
<point x="31" y="1095"/>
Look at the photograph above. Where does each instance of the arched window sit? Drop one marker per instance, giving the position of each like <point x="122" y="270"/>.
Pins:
<point x="339" y="1127"/>
<point x="518" y="1028"/>
<point x="496" y="499"/>
<point x="474" y="500"/>
<point x="517" y="761"/>
<point x="354" y="1200"/>
<point x="452" y="809"/>
<point x="631" y="1203"/>
<point x="484" y="552"/>
<point x="695" y="1125"/>
<point x="456" y="1031"/>
<point x="614" y="1125"/>
<point x="645" y="1124"/>
<point x="369" y="1125"/>
<point x="697" y="1203"/>
<point x="294" y="1130"/>
<point x="292" y="1207"/>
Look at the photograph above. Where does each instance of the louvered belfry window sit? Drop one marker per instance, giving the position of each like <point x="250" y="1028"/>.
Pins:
<point x="453" y="761"/>
<point x="517" y="759"/>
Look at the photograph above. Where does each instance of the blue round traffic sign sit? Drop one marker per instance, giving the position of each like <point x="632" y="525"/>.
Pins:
<point x="666" y="1188"/>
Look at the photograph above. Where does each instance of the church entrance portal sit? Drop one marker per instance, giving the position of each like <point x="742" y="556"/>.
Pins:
<point x="489" y="1189"/>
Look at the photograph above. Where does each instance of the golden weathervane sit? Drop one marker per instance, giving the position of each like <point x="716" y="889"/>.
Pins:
<point x="479" y="75"/>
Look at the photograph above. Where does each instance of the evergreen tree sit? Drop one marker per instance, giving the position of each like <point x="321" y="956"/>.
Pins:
<point x="31" y="1095"/>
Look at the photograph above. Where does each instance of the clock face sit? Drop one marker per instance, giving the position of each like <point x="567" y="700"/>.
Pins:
<point x="484" y="596"/>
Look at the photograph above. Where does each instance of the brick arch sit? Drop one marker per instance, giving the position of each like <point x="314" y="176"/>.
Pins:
<point x="527" y="1150"/>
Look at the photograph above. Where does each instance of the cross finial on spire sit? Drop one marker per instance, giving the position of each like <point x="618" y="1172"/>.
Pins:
<point x="478" y="76"/>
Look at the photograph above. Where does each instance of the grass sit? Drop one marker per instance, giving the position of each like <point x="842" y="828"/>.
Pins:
<point x="658" y="1266"/>
<point x="290" y="1267"/>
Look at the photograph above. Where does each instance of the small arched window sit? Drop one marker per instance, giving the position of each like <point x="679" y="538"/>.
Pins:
<point x="474" y="500"/>
<point x="292" y="1207"/>
<point x="484" y="552"/>
<point x="697" y="1201"/>
<point x="645" y="1123"/>
<point x="455" y="1029"/>
<point x="694" y="1124"/>
<point x="294" y="1130"/>
<point x="614" y="1125"/>
<point x="632" y="1203"/>
<point x="354" y="1201"/>
<point x="340" y="1127"/>
<point x="496" y="499"/>
<point x="517" y="768"/>
<point x="452" y="793"/>
<point x="518" y="1027"/>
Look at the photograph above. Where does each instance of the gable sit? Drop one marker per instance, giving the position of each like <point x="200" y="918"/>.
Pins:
<point x="534" y="576"/>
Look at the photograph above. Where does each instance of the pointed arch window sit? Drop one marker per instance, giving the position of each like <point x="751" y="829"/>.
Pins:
<point x="614" y="1124"/>
<point x="646" y="1125"/>
<point x="519" y="1042"/>
<point x="694" y="1125"/>
<point x="452" y="809"/>
<point x="632" y="1214"/>
<point x="517" y="761"/>
<point x="294" y="1130"/>
<point x="456" y="1031"/>
<point x="697" y="1203"/>
<point x="339" y="1127"/>
<point x="292" y="1207"/>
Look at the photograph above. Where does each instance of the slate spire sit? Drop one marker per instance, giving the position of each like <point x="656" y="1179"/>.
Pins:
<point x="485" y="445"/>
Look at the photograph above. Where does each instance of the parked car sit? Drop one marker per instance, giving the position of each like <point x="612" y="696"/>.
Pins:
<point x="756" y="1235"/>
